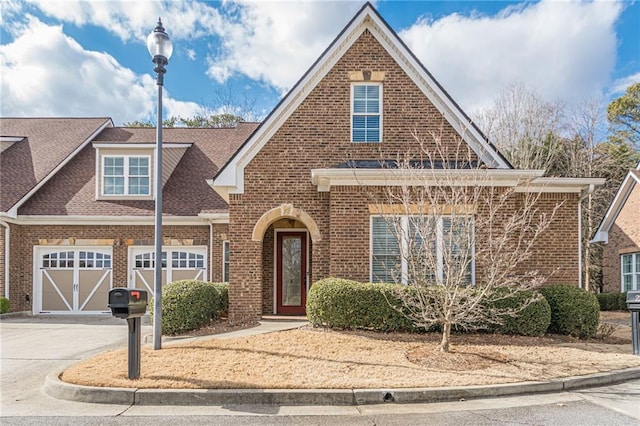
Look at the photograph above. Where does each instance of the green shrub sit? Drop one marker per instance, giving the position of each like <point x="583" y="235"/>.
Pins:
<point x="611" y="301"/>
<point x="573" y="311"/>
<point x="223" y="290"/>
<point x="4" y="305"/>
<point x="622" y="301"/>
<point x="345" y="304"/>
<point x="533" y="320"/>
<point x="187" y="305"/>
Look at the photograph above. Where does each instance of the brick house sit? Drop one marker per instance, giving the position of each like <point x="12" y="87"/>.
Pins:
<point x="274" y="206"/>
<point x="620" y="232"/>
<point x="77" y="209"/>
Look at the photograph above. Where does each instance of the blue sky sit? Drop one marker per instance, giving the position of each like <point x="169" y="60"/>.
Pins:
<point x="88" y="58"/>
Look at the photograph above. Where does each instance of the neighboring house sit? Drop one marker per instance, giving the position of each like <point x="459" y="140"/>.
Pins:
<point x="77" y="209"/>
<point x="289" y="202"/>
<point x="620" y="232"/>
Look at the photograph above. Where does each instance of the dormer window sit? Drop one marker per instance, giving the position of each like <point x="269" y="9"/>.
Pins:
<point x="126" y="175"/>
<point x="366" y="112"/>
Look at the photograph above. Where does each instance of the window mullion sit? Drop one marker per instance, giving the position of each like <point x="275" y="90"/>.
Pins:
<point x="404" y="249"/>
<point x="440" y="249"/>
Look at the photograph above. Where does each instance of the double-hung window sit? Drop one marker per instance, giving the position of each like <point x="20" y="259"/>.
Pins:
<point x="630" y="271"/>
<point x="126" y="175"/>
<point x="366" y="112"/>
<point x="225" y="261"/>
<point x="422" y="249"/>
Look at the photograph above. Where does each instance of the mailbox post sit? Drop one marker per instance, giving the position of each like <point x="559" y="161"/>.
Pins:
<point x="130" y="304"/>
<point x="633" y="304"/>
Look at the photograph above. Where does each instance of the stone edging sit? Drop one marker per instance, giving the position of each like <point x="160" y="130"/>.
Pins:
<point x="131" y="396"/>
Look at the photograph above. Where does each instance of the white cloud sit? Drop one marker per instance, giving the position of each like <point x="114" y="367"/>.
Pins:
<point x="191" y="54"/>
<point x="620" y="85"/>
<point x="133" y="20"/>
<point x="564" y="50"/>
<point x="276" y="42"/>
<point x="46" y="73"/>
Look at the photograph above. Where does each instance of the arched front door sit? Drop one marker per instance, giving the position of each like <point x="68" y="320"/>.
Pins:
<point x="291" y="272"/>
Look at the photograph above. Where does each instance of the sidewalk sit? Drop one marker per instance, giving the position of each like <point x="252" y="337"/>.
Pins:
<point x="324" y="397"/>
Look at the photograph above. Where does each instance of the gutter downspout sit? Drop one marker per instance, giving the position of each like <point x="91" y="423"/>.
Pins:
<point x="7" y="251"/>
<point x="211" y="251"/>
<point x="584" y="195"/>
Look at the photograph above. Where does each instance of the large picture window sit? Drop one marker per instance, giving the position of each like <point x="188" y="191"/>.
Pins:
<point x="423" y="249"/>
<point x="366" y="113"/>
<point x="125" y="175"/>
<point x="630" y="271"/>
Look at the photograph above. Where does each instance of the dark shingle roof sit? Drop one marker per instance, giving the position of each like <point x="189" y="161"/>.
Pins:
<point x="186" y="193"/>
<point x="47" y="143"/>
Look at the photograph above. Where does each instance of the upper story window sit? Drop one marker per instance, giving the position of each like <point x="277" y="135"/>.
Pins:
<point x="126" y="175"/>
<point x="366" y="112"/>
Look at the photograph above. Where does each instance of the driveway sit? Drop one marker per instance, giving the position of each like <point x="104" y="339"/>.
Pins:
<point x="32" y="347"/>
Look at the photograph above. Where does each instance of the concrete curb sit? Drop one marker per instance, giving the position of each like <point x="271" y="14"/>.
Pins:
<point x="131" y="396"/>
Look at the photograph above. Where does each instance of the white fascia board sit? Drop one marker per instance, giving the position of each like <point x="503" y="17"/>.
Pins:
<point x="214" y="217"/>
<point x="602" y="234"/>
<point x="140" y="145"/>
<point x="326" y="178"/>
<point x="11" y="138"/>
<point x="222" y="191"/>
<point x="561" y="184"/>
<point x="13" y="211"/>
<point x="102" y="220"/>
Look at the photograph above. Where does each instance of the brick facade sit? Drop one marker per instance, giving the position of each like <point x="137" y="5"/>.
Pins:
<point x="624" y="237"/>
<point x="317" y="135"/>
<point x="25" y="238"/>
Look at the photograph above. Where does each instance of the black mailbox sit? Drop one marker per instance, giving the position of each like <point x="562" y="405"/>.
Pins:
<point x="127" y="303"/>
<point x="633" y="300"/>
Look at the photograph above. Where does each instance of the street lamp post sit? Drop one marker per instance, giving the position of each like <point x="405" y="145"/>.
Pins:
<point x="160" y="48"/>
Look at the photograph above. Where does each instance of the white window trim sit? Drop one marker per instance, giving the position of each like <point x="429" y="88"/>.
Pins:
<point x="404" y="273"/>
<point x="126" y="158"/>
<point x="352" y="113"/>
<point x="224" y="263"/>
<point x="635" y="274"/>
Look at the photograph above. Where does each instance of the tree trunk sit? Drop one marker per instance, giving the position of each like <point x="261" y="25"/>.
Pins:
<point x="446" y="337"/>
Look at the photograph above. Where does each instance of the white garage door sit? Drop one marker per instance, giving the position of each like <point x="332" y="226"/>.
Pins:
<point x="72" y="280"/>
<point x="183" y="264"/>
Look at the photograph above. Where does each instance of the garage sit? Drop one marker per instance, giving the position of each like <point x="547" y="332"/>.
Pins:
<point x="183" y="264"/>
<point x="72" y="280"/>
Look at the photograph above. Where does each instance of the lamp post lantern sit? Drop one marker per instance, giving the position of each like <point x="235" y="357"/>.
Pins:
<point x="160" y="47"/>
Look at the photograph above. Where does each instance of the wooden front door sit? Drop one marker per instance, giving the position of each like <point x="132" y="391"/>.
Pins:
<point x="291" y="273"/>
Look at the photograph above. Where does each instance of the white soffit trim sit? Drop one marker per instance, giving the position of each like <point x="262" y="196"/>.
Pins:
<point x="140" y="145"/>
<point x="215" y="217"/>
<point x="13" y="211"/>
<point x="232" y="176"/>
<point x="523" y="180"/>
<point x="602" y="234"/>
<point x="102" y="220"/>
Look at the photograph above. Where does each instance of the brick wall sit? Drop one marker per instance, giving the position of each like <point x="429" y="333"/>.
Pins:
<point x="24" y="238"/>
<point x="317" y="135"/>
<point x="624" y="237"/>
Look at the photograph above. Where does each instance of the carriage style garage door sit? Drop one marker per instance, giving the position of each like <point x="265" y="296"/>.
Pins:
<point x="72" y="280"/>
<point x="183" y="264"/>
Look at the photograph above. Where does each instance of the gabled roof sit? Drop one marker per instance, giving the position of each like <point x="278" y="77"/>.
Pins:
<point x="45" y="146"/>
<point x="630" y="181"/>
<point x="71" y="193"/>
<point x="230" y="179"/>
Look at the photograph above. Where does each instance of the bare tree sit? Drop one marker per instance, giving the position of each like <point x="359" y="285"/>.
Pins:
<point x="524" y="127"/>
<point x="457" y="239"/>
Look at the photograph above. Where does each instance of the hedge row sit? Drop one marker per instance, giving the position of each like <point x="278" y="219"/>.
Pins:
<point x="190" y="304"/>
<point x="612" y="301"/>
<point x="345" y="304"/>
<point x="4" y="305"/>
